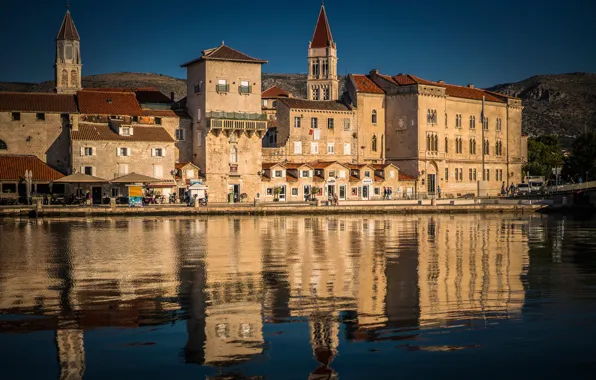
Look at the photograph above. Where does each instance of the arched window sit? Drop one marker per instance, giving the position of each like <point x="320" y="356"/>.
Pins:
<point x="374" y="143"/>
<point x="374" y="116"/>
<point x="64" y="79"/>
<point x="74" y="80"/>
<point x="428" y="142"/>
<point x="233" y="154"/>
<point x="3" y="145"/>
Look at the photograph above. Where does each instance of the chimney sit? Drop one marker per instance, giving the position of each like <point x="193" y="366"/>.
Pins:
<point x="471" y="85"/>
<point x="373" y="74"/>
<point x="172" y="96"/>
<point x="441" y="81"/>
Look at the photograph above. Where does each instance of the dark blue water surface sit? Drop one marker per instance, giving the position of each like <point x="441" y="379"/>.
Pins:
<point x="350" y="297"/>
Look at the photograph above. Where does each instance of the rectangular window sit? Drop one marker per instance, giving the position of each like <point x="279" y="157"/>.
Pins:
<point x="314" y="123"/>
<point x="123" y="152"/>
<point x="346" y="124"/>
<point x="278" y="173"/>
<point x="158" y="120"/>
<point x="330" y="148"/>
<point x="199" y="139"/>
<point x="122" y="169"/>
<point x="332" y="174"/>
<point x="15" y="116"/>
<point x="125" y="131"/>
<point x="470" y="172"/>
<point x="330" y="123"/>
<point x="446" y="174"/>
<point x="180" y="134"/>
<point x="297" y="147"/>
<point x="314" y="148"/>
<point x="40" y="116"/>
<point x="498" y="126"/>
<point x="475" y="177"/>
<point x="199" y="87"/>
<point x="297" y="121"/>
<point x="158" y="171"/>
<point x="347" y="148"/>
<point x="472" y="122"/>
<point x="367" y="173"/>
<point x="485" y="124"/>
<point x="199" y="114"/>
<point x="342" y="174"/>
<point x="245" y="87"/>
<point x="354" y="191"/>
<point x="88" y="151"/>
<point x="222" y="86"/>
<point x="88" y="170"/>
<point x="305" y="173"/>
<point x="158" y="152"/>
<point x="269" y="191"/>
<point x="488" y="174"/>
<point x="115" y="192"/>
<point x="294" y="191"/>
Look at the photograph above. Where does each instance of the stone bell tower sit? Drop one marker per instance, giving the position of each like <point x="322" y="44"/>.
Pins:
<point x="322" y="83"/>
<point x="68" y="64"/>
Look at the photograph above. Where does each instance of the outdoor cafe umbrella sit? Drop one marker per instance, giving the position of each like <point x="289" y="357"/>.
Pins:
<point x="79" y="178"/>
<point x="135" y="178"/>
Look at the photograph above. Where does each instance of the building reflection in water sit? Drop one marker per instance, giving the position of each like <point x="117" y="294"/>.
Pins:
<point x="383" y="278"/>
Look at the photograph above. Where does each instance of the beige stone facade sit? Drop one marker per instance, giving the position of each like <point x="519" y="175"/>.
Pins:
<point x="223" y="99"/>
<point x="434" y="131"/>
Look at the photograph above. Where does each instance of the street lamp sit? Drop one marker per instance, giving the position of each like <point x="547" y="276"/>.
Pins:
<point x="28" y="178"/>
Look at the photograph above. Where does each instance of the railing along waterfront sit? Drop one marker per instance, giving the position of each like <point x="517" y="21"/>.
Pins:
<point x="568" y="188"/>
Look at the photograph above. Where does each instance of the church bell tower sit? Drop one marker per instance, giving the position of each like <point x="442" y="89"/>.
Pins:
<point x="68" y="64"/>
<point x="322" y="82"/>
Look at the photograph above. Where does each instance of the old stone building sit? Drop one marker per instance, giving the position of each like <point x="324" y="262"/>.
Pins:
<point x="269" y="99"/>
<point x="435" y="130"/>
<point x="68" y="64"/>
<point x="322" y="83"/>
<point x="223" y="99"/>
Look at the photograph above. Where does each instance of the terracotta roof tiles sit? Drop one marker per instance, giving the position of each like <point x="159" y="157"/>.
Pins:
<point x="274" y="92"/>
<point x="12" y="168"/>
<point x="159" y="113"/>
<point x="37" y="102"/>
<point x="109" y="103"/>
<point x="224" y="53"/>
<point x="366" y="85"/>
<point x="92" y="132"/>
<point x="405" y="177"/>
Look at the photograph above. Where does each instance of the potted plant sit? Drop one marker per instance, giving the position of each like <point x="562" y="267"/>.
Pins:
<point x="276" y="192"/>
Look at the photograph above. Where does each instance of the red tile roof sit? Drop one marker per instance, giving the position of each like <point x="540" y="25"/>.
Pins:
<point x="224" y="53"/>
<point x="109" y="103"/>
<point x="159" y="113"/>
<point x="92" y="132"/>
<point x="274" y="92"/>
<point x="12" y="168"/>
<point x="354" y="179"/>
<point x="37" y="102"/>
<point x="365" y="84"/>
<point x="327" y="105"/>
<point x="181" y="165"/>
<point x="296" y="165"/>
<point x="68" y="30"/>
<point x="321" y="164"/>
<point x="269" y="165"/>
<point x="322" y="36"/>
<point x="143" y="94"/>
<point x="451" y="90"/>
<point x="291" y="178"/>
<point x="405" y="177"/>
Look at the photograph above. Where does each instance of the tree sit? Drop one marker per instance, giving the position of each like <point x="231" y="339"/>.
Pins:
<point x="544" y="154"/>
<point x="583" y="157"/>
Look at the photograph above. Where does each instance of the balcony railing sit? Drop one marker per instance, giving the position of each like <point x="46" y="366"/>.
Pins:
<point x="246" y="125"/>
<point x="222" y="88"/>
<point x="236" y="115"/>
<point x="245" y="89"/>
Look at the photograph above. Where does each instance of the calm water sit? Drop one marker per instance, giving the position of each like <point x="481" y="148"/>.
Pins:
<point x="471" y="296"/>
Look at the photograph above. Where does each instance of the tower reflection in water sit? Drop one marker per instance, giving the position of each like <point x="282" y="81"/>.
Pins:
<point x="382" y="278"/>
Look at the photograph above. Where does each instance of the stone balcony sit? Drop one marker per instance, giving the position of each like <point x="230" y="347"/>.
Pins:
<point x="242" y="121"/>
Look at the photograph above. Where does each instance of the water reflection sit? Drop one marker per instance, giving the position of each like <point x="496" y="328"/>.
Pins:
<point x="350" y="279"/>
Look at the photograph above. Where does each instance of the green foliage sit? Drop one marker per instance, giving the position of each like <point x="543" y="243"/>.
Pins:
<point x="544" y="154"/>
<point x="583" y="157"/>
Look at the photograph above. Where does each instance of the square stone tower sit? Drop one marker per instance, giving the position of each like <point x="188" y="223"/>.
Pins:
<point x="322" y="83"/>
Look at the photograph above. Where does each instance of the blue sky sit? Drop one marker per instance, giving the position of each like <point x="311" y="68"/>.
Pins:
<point x="480" y="42"/>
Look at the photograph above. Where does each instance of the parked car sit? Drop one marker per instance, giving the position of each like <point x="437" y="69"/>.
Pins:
<point x="522" y="189"/>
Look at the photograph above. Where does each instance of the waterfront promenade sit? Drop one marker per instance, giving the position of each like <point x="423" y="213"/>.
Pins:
<point x="426" y="206"/>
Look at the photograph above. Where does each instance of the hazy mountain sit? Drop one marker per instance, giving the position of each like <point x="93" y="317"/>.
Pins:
<point x="564" y="104"/>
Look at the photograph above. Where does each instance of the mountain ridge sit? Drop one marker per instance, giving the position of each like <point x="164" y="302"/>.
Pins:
<point x="561" y="104"/>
